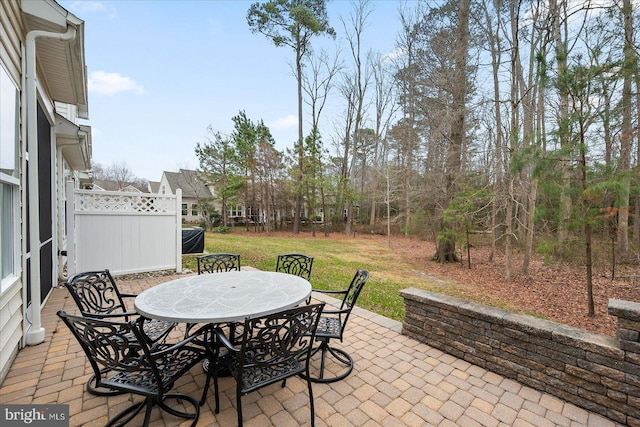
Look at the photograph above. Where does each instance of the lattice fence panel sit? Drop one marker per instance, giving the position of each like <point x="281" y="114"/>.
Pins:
<point x="106" y="201"/>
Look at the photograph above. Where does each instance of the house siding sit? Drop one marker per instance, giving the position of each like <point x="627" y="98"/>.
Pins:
<point x="10" y="41"/>
<point x="11" y="326"/>
<point x="189" y="196"/>
<point x="11" y="306"/>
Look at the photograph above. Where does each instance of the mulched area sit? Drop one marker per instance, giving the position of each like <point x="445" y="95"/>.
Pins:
<point x="555" y="291"/>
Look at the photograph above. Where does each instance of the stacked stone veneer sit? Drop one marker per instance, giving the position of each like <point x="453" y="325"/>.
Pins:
<point x="594" y="371"/>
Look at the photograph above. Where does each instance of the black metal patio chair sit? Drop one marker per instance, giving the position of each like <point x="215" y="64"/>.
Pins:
<point x="331" y="326"/>
<point x="297" y="264"/>
<point x="130" y="365"/>
<point x="97" y="295"/>
<point x="272" y="348"/>
<point x="218" y="262"/>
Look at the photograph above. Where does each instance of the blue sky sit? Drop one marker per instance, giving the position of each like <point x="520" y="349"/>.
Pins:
<point x="160" y="72"/>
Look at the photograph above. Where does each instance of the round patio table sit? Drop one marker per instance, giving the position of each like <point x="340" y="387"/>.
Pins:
<point x="222" y="297"/>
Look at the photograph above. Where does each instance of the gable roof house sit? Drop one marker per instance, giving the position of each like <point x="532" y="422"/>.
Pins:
<point x="111" y="185"/>
<point x="193" y="192"/>
<point x="43" y="95"/>
<point x="153" y="187"/>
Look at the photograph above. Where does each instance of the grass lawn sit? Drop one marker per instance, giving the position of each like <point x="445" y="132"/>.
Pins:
<point x="336" y="259"/>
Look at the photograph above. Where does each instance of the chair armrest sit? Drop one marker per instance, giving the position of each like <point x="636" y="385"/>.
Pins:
<point x="112" y="316"/>
<point x="225" y="341"/>
<point x="344" y="310"/>
<point x="326" y="291"/>
<point x="158" y="350"/>
<point x="128" y="295"/>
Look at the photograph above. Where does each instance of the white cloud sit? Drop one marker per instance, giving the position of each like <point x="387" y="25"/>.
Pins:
<point x="393" y="55"/>
<point x="86" y="7"/>
<point x="104" y="83"/>
<point x="287" y="122"/>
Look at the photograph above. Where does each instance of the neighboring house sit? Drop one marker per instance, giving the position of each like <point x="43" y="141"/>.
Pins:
<point x="43" y="94"/>
<point x="194" y="191"/>
<point x="110" y="185"/>
<point x="153" y="187"/>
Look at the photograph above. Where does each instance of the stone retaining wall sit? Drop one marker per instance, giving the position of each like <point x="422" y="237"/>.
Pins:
<point x="594" y="371"/>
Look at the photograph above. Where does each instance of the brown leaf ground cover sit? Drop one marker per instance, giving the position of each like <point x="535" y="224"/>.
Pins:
<point x="553" y="290"/>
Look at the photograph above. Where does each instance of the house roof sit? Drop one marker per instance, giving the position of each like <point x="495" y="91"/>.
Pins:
<point x="187" y="180"/>
<point x="74" y="142"/>
<point x="154" y="186"/>
<point x="62" y="63"/>
<point x="111" y="185"/>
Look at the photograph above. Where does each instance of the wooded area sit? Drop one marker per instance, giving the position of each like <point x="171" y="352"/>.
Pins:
<point x="515" y="118"/>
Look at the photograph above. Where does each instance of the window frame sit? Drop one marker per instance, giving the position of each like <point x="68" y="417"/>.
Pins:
<point x="9" y="179"/>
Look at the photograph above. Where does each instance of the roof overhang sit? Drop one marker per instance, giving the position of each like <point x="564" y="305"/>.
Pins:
<point x="74" y="143"/>
<point x="61" y="64"/>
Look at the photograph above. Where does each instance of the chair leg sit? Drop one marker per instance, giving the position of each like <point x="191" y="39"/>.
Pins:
<point x="207" y="382"/>
<point x="148" y="403"/>
<point x="213" y="371"/>
<point x="147" y="413"/>
<point x="130" y="413"/>
<point x="216" y="393"/>
<point x="313" y="410"/>
<point x="239" y="404"/>
<point x="181" y="397"/>
<point x="339" y="357"/>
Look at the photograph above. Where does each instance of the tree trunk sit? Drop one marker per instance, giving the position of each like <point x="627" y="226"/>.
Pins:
<point x="496" y="49"/>
<point x="300" y="146"/>
<point x="636" y="216"/>
<point x="446" y="246"/>
<point x="625" y="137"/>
<point x="563" y="124"/>
<point x="508" y="246"/>
<point x="529" y="92"/>
<point x="446" y="252"/>
<point x="587" y="225"/>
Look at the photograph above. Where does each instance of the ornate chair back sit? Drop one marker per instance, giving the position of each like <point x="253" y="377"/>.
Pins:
<point x="116" y="346"/>
<point x="219" y="262"/>
<point x="351" y="296"/>
<point x="96" y="294"/>
<point x="296" y="264"/>
<point x="273" y="348"/>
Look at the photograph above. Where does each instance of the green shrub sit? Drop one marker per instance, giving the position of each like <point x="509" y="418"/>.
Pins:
<point x="547" y="250"/>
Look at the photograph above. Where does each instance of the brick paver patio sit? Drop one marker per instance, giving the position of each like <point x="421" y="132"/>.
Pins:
<point x="397" y="381"/>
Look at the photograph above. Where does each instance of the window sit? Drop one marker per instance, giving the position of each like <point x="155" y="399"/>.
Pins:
<point x="234" y="210"/>
<point x="185" y="209"/>
<point x="194" y="209"/>
<point x="9" y="182"/>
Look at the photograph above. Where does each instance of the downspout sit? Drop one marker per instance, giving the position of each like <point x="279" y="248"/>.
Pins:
<point x="35" y="333"/>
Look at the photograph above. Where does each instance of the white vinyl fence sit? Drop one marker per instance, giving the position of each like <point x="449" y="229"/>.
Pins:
<point x="122" y="231"/>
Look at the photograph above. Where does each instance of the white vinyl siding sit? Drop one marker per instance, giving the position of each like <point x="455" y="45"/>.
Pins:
<point x="11" y="292"/>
